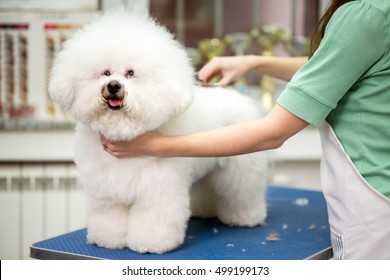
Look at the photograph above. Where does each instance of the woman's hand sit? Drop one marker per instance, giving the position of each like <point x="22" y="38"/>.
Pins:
<point x="229" y="68"/>
<point x="143" y="145"/>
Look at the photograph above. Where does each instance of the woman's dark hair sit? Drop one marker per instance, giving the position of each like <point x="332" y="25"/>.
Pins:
<point x="321" y="25"/>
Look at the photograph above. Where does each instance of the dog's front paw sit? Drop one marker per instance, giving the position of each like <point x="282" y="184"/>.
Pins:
<point x="107" y="226"/>
<point x="157" y="243"/>
<point x="107" y="240"/>
<point x="155" y="235"/>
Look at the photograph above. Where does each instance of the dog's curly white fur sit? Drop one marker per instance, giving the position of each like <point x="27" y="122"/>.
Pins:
<point x="121" y="76"/>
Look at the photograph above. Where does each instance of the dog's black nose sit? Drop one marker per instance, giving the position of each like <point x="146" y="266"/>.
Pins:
<point x="113" y="87"/>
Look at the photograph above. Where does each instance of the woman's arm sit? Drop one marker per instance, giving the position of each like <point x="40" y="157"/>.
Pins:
<point x="283" y="68"/>
<point x="269" y="132"/>
<point x="230" y="68"/>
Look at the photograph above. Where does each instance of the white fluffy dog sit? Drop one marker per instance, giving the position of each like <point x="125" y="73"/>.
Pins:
<point x="121" y="76"/>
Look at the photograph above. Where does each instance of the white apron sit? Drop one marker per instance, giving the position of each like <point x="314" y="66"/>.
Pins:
<point x="359" y="216"/>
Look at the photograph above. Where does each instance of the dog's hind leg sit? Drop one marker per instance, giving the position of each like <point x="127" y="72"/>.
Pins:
<point x="107" y="224"/>
<point x="240" y="183"/>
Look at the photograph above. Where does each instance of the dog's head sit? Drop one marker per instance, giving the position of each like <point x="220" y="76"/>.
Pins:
<point x="123" y="75"/>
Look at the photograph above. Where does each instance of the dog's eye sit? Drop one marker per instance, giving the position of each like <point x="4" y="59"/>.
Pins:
<point x="106" y="73"/>
<point x="129" y="73"/>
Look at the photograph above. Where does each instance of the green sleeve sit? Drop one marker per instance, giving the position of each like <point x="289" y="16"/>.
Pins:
<point x="348" y="50"/>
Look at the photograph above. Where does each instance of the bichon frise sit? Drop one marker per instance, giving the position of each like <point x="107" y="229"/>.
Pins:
<point x="121" y="76"/>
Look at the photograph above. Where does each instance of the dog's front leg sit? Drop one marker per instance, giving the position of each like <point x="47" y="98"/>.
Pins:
<point x="158" y="219"/>
<point x="107" y="223"/>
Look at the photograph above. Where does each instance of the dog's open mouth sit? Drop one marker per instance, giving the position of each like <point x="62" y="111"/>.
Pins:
<point x="114" y="103"/>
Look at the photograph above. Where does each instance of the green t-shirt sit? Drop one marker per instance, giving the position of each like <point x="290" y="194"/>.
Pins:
<point x="347" y="83"/>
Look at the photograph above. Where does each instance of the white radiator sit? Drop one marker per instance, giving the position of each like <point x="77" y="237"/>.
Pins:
<point x="37" y="201"/>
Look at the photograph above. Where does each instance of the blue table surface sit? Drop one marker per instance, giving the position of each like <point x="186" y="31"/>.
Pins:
<point x="296" y="228"/>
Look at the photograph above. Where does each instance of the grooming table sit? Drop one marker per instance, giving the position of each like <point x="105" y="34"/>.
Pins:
<point x="296" y="228"/>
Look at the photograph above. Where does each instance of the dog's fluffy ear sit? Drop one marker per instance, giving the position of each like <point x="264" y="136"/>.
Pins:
<point x="62" y="82"/>
<point x="68" y="70"/>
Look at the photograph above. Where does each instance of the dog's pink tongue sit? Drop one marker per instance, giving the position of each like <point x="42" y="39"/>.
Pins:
<point x="115" y="102"/>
